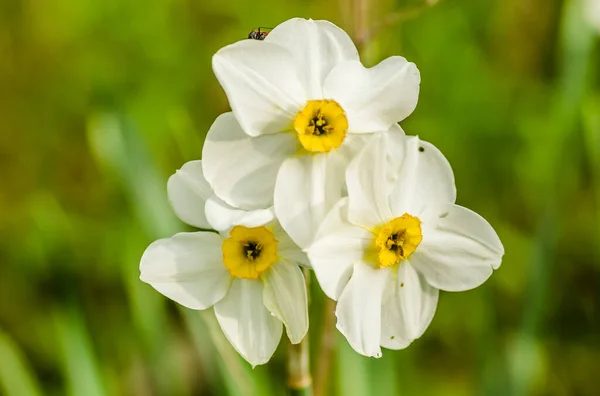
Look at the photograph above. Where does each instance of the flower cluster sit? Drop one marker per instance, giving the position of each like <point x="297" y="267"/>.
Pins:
<point x="312" y="169"/>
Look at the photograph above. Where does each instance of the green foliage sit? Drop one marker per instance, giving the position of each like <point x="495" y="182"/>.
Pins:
<point x="100" y="101"/>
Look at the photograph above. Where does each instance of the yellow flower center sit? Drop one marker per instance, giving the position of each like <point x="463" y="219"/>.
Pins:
<point x="321" y="125"/>
<point x="249" y="251"/>
<point x="397" y="239"/>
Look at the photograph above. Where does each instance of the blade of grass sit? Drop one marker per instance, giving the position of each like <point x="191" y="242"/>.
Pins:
<point x="16" y="376"/>
<point x="80" y="367"/>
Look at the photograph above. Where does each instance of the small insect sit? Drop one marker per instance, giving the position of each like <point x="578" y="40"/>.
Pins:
<point x="257" y="34"/>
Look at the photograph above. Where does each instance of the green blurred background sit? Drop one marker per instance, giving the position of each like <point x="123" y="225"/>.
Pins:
<point x="100" y="101"/>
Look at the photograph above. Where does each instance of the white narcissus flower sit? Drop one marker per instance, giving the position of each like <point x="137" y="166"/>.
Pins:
<point x="303" y="106"/>
<point x="248" y="271"/>
<point x="385" y="250"/>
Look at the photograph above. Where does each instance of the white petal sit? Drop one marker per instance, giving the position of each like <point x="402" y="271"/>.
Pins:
<point x="285" y="296"/>
<point x="395" y="153"/>
<point x="374" y="98"/>
<point x="260" y="81"/>
<point x="366" y="181"/>
<point x="188" y="191"/>
<point x="408" y="310"/>
<point x="222" y="216"/>
<point x="359" y="309"/>
<point x="287" y="248"/>
<point x="425" y="180"/>
<point x="187" y="268"/>
<point x="460" y="252"/>
<point x="337" y="247"/>
<point x="353" y="144"/>
<point x="242" y="169"/>
<point x="317" y="47"/>
<point x="307" y="187"/>
<point x="247" y="323"/>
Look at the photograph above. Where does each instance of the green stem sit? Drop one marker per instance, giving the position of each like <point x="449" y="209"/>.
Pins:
<point x="326" y="350"/>
<point x="300" y="392"/>
<point x="299" y="381"/>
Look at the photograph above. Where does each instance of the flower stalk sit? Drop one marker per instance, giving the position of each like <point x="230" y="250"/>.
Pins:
<point x="299" y="381"/>
<point x="326" y="349"/>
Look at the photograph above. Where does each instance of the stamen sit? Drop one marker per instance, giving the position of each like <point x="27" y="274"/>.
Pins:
<point x="252" y="249"/>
